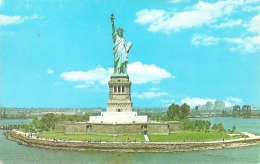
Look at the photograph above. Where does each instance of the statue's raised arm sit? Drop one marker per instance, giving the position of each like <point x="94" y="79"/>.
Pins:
<point x="113" y="24"/>
<point x="121" y="49"/>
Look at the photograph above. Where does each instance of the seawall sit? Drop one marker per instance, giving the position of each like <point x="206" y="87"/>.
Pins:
<point x="129" y="147"/>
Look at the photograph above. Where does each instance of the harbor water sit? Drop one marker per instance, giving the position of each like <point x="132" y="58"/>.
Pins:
<point x="11" y="152"/>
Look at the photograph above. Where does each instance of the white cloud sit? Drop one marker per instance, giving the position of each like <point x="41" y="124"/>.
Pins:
<point x="154" y="89"/>
<point x="228" y="104"/>
<point x="233" y="99"/>
<point x="202" y="13"/>
<point x="250" y="43"/>
<point x="149" y="95"/>
<point x="167" y="103"/>
<point x="49" y="71"/>
<point x="196" y="101"/>
<point x="230" y="23"/>
<point x="254" y="24"/>
<point x="139" y="74"/>
<point x="175" y="1"/>
<point x="6" y="20"/>
<point x="202" y="101"/>
<point x="251" y="8"/>
<point x="247" y="44"/>
<point x="234" y="40"/>
<point x="81" y="86"/>
<point x="150" y="16"/>
<point x="215" y="15"/>
<point x="99" y="74"/>
<point x="142" y="73"/>
<point x="232" y="49"/>
<point x="178" y="1"/>
<point x="1" y="3"/>
<point x="204" y="40"/>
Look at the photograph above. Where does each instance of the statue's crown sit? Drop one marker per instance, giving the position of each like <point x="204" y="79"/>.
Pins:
<point x="120" y="29"/>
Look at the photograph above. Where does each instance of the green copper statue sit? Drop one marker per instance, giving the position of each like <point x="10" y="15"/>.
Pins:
<point x="121" y="49"/>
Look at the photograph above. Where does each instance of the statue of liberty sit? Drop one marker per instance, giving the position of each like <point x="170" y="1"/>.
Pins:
<point x="121" y="49"/>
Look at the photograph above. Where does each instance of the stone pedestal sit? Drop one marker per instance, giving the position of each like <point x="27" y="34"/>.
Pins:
<point x="119" y="94"/>
<point x="119" y="106"/>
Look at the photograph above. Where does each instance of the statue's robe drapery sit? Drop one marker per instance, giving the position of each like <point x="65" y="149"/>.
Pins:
<point x="121" y="49"/>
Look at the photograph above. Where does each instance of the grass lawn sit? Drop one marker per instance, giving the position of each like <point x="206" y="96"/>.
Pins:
<point x="119" y="138"/>
<point x="189" y="136"/>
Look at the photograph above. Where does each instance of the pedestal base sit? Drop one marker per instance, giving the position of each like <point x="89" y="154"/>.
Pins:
<point x="119" y="94"/>
<point x="118" y="118"/>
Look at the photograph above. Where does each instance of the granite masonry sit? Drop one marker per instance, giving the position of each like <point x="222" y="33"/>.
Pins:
<point x="160" y="128"/>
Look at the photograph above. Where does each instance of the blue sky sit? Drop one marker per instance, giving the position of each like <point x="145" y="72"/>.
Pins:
<point x="59" y="53"/>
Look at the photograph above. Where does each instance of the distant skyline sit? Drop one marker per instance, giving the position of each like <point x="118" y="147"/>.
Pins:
<point x="59" y="53"/>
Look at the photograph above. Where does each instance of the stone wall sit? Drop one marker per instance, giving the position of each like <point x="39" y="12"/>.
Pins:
<point x="175" y="126"/>
<point x="115" y="129"/>
<point x="76" y="128"/>
<point x="119" y="129"/>
<point x="61" y="126"/>
<point x="158" y="128"/>
<point x="129" y="147"/>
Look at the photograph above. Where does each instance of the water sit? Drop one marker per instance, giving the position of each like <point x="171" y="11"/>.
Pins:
<point x="251" y="125"/>
<point x="11" y="152"/>
<point x="15" y="122"/>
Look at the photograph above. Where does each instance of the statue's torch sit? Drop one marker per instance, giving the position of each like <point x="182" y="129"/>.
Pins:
<point x="112" y="18"/>
<point x="112" y="22"/>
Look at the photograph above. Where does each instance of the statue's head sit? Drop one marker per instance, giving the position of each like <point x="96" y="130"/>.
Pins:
<point x="120" y="32"/>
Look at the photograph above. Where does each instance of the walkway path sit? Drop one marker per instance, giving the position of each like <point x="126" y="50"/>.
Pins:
<point x="146" y="138"/>
<point x="249" y="136"/>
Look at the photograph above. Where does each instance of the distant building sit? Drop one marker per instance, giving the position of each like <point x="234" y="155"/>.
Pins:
<point x="219" y="105"/>
<point x="246" y="111"/>
<point x="236" y="111"/>
<point x="196" y="108"/>
<point x="201" y="107"/>
<point x="209" y="106"/>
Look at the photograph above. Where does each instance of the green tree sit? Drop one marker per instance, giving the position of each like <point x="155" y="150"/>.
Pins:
<point x="233" y="129"/>
<point x="164" y="118"/>
<point x="207" y="126"/>
<point x="85" y="117"/>
<point x="24" y="127"/>
<point x="214" y="127"/>
<point x="36" y="122"/>
<point x="184" y="111"/>
<point x="178" y="113"/>
<point x="49" y="121"/>
<point x="173" y="112"/>
<point x="218" y="127"/>
<point x="187" y="124"/>
<point x="63" y="117"/>
<point x="198" y="125"/>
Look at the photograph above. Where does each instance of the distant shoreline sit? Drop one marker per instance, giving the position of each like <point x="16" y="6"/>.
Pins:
<point x="138" y="147"/>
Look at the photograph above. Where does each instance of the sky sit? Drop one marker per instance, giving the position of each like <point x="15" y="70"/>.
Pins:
<point x="60" y="53"/>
